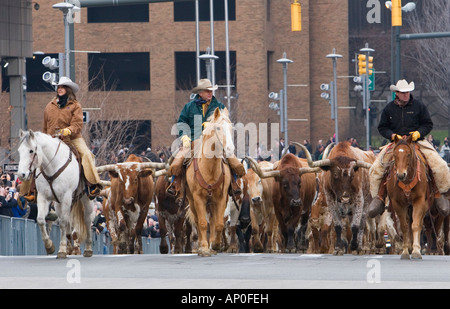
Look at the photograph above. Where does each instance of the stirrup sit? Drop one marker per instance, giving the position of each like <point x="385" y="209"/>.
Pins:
<point x="171" y="190"/>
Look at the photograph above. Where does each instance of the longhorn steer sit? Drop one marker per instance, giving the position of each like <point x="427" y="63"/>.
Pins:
<point x="346" y="188"/>
<point x="128" y="202"/>
<point x="293" y="193"/>
<point x="172" y="212"/>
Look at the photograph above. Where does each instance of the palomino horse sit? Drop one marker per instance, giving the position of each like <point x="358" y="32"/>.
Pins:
<point x="208" y="179"/>
<point x="407" y="185"/>
<point x="57" y="180"/>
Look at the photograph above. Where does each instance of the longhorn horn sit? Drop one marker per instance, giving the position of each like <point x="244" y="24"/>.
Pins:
<point x="160" y="172"/>
<point x="311" y="163"/>
<point x="105" y="183"/>
<point x="257" y="169"/>
<point x="106" y="168"/>
<point x="152" y="165"/>
<point x="327" y="150"/>
<point x="305" y="170"/>
<point x="363" y="164"/>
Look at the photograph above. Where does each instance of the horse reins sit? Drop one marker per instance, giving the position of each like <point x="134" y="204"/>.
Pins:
<point x="50" y="179"/>
<point x="203" y="183"/>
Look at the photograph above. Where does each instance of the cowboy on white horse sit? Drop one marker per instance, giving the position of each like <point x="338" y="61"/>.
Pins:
<point x="63" y="115"/>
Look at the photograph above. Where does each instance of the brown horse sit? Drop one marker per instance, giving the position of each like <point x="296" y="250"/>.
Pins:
<point x="208" y="179"/>
<point x="410" y="193"/>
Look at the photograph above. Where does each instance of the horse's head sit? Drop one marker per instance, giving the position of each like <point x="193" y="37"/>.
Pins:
<point x="218" y="135"/>
<point x="29" y="159"/>
<point x="404" y="155"/>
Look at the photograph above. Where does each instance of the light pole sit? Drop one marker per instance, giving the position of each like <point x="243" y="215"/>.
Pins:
<point x="366" y="93"/>
<point x="209" y="60"/>
<point x="334" y="56"/>
<point x="395" y="41"/>
<point x="66" y="8"/>
<point x="285" y="62"/>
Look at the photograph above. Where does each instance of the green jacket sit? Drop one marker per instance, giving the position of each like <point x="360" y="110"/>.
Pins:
<point x="191" y="117"/>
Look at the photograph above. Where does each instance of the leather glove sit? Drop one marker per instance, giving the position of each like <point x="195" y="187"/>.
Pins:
<point x="66" y="132"/>
<point x="186" y="141"/>
<point x="415" y="135"/>
<point x="393" y="136"/>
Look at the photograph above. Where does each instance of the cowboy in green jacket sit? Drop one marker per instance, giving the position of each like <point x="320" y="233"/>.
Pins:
<point x="190" y="126"/>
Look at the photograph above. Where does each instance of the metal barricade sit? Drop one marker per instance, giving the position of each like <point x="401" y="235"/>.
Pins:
<point x="20" y="236"/>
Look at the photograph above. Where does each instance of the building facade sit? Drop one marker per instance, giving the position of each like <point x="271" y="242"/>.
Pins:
<point x="259" y="34"/>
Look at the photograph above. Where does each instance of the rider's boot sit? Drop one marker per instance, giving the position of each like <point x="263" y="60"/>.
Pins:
<point x="377" y="206"/>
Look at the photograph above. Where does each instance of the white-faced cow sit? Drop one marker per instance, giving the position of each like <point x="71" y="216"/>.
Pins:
<point x="346" y="188"/>
<point x="293" y="193"/>
<point x="263" y="218"/>
<point x="128" y="202"/>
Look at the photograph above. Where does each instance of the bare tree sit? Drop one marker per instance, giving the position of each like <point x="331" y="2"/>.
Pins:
<point x="431" y="55"/>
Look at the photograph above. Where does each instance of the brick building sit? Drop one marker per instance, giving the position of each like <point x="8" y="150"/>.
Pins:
<point x="259" y="33"/>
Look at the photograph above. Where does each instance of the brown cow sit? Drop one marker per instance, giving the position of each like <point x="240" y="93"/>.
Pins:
<point x="346" y="188"/>
<point x="128" y="202"/>
<point x="172" y="212"/>
<point x="293" y="193"/>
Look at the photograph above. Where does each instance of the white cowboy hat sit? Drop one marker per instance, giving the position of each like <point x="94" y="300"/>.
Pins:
<point x="403" y="86"/>
<point x="204" y="84"/>
<point x="65" y="81"/>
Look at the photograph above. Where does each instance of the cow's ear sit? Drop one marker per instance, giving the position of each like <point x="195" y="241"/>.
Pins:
<point x="113" y="174"/>
<point x="146" y="172"/>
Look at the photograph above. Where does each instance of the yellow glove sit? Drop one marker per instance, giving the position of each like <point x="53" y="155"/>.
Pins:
<point x="65" y="132"/>
<point x="393" y="136"/>
<point x="205" y="124"/>
<point x="415" y="135"/>
<point x="186" y="141"/>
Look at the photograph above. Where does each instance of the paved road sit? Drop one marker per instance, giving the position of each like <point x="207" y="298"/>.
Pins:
<point x="224" y="271"/>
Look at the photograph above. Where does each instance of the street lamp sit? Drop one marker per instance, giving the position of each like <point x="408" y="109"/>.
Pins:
<point x="334" y="56"/>
<point x="209" y="59"/>
<point x="66" y="8"/>
<point x="285" y="62"/>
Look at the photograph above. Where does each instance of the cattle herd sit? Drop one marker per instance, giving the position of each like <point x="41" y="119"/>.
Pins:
<point x="293" y="205"/>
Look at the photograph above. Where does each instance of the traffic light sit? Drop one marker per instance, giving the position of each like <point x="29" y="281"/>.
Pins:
<point x="296" y="16"/>
<point x="362" y="65"/>
<point x="396" y="10"/>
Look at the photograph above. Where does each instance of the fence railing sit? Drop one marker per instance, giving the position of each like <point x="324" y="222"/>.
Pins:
<point x="20" y="236"/>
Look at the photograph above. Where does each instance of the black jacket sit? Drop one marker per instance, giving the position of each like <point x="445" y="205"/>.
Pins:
<point x="402" y="120"/>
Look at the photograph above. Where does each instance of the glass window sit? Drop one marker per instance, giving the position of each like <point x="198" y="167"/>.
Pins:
<point x="185" y="10"/>
<point x="119" y="71"/>
<point x="119" y="14"/>
<point x="185" y="69"/>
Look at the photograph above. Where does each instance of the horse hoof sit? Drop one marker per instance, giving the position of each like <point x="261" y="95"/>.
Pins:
<point x="61" y="255"/>
<point x="88" y="253"/>
<point x="404" y="256"/>
<point x="416" y="256"/>
<point x="204" y="252"/>
<point x="51" y="249"/>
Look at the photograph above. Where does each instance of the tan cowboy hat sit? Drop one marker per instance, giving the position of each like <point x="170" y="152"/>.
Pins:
<point x="403" y="86"/>
<point x="204" y="84"/>
<point x="65" y="81"/>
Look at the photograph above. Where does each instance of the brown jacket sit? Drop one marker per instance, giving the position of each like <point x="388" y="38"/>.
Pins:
<point x="70" y="116"/>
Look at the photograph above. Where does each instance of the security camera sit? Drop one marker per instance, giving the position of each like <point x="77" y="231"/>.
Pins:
<point x="51" y="63"/>
<point x="49" y="77"/>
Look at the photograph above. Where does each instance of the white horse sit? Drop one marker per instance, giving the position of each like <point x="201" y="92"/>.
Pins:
<point x="57" y="177"/>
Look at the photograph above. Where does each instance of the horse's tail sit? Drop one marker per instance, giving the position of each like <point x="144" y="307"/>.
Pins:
<point x="78" y="220"/>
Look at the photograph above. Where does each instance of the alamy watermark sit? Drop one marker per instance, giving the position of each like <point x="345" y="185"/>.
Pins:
<point x="374" y="272"/>
<point x="374" y="14"/>
<point x="74" y="272"/>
